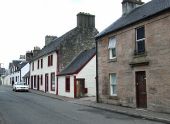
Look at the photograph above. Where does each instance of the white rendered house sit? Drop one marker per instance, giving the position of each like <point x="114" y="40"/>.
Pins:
<point x="78" y="78"/>
<point x="43" y="72"/>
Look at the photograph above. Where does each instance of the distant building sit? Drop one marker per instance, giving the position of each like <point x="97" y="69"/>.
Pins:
<point x="133" y="57"/>
<point x="17" y="70"/>
<point x="2" y="73"/>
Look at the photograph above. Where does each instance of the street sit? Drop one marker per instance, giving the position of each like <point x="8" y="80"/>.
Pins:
<point x="29" y="108"/>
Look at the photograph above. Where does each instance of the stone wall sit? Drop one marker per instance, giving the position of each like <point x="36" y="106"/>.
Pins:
<point x="79" y="40"/>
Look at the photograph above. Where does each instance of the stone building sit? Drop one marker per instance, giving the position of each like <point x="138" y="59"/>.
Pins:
<point x="58" y="52"/>
<point x="133" y="57"/>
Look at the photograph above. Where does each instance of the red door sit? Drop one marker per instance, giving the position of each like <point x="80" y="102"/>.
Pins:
<point x="46" y="82"/>
<point x="141" y="95"/>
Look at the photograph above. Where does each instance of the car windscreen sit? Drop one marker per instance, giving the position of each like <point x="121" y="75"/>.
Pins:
<point x="20" y="83"/>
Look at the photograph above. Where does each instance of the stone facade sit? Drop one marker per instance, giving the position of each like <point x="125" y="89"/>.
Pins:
<point x="77" y="40"/>
<point x="157" y="45"/>
<point x="72" y="47"/>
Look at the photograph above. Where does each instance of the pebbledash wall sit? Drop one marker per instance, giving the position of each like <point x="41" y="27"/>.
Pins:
<point x="157" y="44"/>
<point x="88" y="73"/>
<point x="45" y="70"/>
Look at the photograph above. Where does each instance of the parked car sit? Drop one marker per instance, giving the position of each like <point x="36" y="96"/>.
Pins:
<point x="20" y="86"/>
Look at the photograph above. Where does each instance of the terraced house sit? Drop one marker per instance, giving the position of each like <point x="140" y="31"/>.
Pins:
<point x="133" y="56"/>
<point x="18" y="68"/>
<point x="59" y="52"/>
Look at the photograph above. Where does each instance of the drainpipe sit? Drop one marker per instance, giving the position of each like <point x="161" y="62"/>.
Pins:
<point x="97" y="83"/>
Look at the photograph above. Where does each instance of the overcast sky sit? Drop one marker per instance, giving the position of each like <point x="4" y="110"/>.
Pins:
<point x="25" y="23"/>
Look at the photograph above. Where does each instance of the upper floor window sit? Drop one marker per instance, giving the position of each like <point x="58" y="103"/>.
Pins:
<point x="32" y="66"/>
<point x="38" y="63"/>
<point x="50" y="60"/>
<point x="112" y="48"/>
<point x="41" y="63"/>
<point x="113" y="85"/>
<point x="140" y="40"/>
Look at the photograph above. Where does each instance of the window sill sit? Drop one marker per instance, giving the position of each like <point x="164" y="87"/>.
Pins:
<point x="115" y="97"/>
<point x="67" y="91"/>
<point x="112" y="60"/>
<point x="137" y="55"/>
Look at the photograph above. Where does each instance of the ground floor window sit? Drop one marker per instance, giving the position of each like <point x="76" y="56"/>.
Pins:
<point x="35" y="85"/>
<point x="67" y="84"/>
<point x="52" y="81"/>
<point x="113" y="85"/>
<point x="41" y="79"/>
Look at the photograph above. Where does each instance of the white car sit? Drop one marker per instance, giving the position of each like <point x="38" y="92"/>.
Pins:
<point x="20" y="86"/>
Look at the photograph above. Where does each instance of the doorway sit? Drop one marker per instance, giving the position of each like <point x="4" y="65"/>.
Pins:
<point x="141" y="94"/>
<point x="80" y="88"/>
<point x="46" y="82"/>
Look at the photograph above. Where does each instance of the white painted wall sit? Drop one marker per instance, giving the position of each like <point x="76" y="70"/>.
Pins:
<point x="24" y="70"/>
<point x="89" y="74"/>
<point x="15" y="74"/>
<point x="44" y="70"/>
<point x="6" y="80"/>
<point x="61" y="85"/>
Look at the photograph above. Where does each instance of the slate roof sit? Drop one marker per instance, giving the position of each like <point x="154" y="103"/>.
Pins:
<point x="140" y="13"/>
<point x="54" y="45"/>
<point x="22" y="64"/>
<point x="78" y="62"/>
<point x="16" y="62"/>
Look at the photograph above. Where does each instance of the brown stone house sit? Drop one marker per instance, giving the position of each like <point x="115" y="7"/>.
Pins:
<point x="133" y="57"/>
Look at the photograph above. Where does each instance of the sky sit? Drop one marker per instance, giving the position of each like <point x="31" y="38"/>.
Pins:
<point x="25" y="23"/>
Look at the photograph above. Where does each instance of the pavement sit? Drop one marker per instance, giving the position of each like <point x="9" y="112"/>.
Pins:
<point x="91" y="102"/>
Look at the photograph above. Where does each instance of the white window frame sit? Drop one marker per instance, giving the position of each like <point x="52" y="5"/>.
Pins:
<point x="139" y="40"/>
<point x="113" y="84"/>
<point x="111" y="47"/>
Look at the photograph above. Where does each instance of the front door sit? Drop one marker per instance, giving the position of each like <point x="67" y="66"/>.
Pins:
<point x="80" y="88"/>
<point x="141" y="95"/>
<point x="46" y="82"/>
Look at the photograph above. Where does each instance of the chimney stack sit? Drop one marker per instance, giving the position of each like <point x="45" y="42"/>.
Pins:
<point x="48" y="39"/>
<point x="85" y="20"/>
<point x="29" y="55"/>
<point x="36" y="50"/>
<point x="129" y="5"/>
<point x="22" y="57"/>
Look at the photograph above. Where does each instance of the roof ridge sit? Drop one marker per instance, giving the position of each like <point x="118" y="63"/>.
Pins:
<point x="142" y="12"/>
